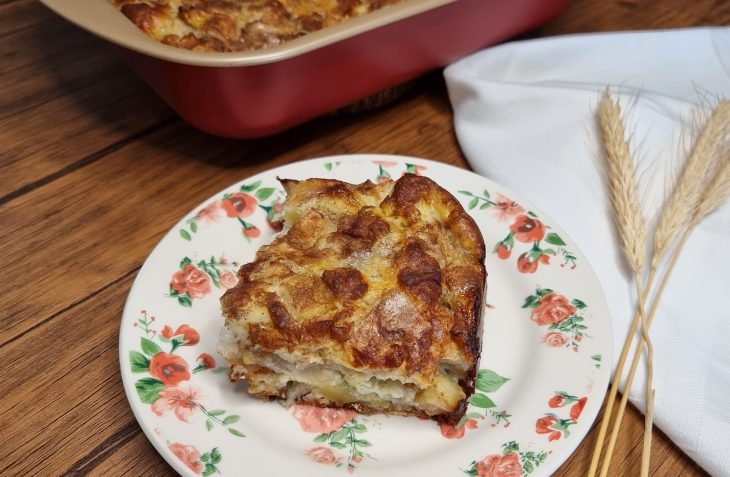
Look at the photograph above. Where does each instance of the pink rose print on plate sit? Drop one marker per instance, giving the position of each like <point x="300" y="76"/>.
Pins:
<point x="512" y="462"/>
<point x="205" y="465"/>
<point x="191" y="281"/>
<point x="526" y="264"/>
<point x="415" y="169"/>
<point x="544" y="426"/>
<point x="524" y="228"/>
<point x="338" y="428"/>
<point x="205" y="361"/>
<point x="552" y="308"/>
<point x="500" y="466"/>
<point x="503" y="252"/>
<point x="210" y="213"/>
<point x="552" y="424"/>
<point x="238" y="205"/>
<point x="228" y="279"/>
<point x="181" y="401"/>
<point x="527" y="229"/>
<point x="251" y="232"/>
<point x="452" y="432"/>
<point x="274" y="215"/>
<point x="196" y="280"/>
<point x="188" y="455"/>
<point x="165" y="388"/>
<point x="321" y="419"/>
<point x="577" y="408"/>
<point x="170" y="369"/>
<point x="555" y="340"/>
<point x="322" y="455"/>
<point x="505" y="209"/>
<point x="184" y="335"/>
<point x="562" y="316"/>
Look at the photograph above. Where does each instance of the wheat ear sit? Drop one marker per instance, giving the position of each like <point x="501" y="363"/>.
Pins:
<point x="687" y="194"/>
<point x="690" y="201"/>
<point x="631" y="225"/>
<point x="715" y="193"/>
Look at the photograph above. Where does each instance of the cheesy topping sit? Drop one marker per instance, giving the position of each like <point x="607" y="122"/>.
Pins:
<point x="370" y="299"/>
<point x="238" y="25"/>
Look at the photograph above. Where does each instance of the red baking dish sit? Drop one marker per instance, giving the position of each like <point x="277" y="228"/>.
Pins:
<point x="257" y="93"/>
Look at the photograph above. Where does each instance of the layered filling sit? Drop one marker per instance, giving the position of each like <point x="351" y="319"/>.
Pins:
<point x="293" y="377"/>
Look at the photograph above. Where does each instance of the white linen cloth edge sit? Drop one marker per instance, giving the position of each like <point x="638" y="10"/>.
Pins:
<point x="533" y="102"/>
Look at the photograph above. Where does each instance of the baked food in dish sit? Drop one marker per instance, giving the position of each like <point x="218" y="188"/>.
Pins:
<point x="238" y="25"/>
<point x="371" y="299"/>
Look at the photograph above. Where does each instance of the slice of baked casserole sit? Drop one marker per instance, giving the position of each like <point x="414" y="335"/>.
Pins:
<point x="370" y="299"/>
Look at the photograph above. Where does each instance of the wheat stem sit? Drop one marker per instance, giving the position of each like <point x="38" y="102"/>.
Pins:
<point x="627" y="215"/>
<point x="648" y="418"/>
<point x="611" y="399"/>
<point x="637" y="354"/>
<point x="638" y="318"/>
<point x="697" y="199"/>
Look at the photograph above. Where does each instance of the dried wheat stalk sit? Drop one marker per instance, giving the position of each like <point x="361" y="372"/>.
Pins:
<point x="632" y="232"/>
<point x="716" y="159"/>
<point x="718" y="190"/>
<point x="703" y="185"/>
<point x="686" y="196"/>
<point x="622" y="184"/>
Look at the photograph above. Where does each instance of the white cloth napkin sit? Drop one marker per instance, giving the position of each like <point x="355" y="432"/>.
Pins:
<point x="525" y="117"/>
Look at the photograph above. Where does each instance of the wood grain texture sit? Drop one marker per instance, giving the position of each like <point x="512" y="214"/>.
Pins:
<point x="64" y="396"/>
<point x="615" y="15"/>
<point x="94" y="169"/>
<point x="71" y="101"/>
<point x="103" y="235"/>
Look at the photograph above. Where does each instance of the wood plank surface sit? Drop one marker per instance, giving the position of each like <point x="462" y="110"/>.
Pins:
<point x="104" y="235"/>
<point x="95" y="169"/>
<point x="71" y="101"/>
<point x="615" y="15"/>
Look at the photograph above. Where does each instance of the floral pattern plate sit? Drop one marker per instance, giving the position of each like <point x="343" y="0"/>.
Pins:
<point x="544" y="368"/>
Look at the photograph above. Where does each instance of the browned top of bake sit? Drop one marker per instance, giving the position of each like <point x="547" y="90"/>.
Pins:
<point x="371" y="276"/>
<point x="238" y="25"/>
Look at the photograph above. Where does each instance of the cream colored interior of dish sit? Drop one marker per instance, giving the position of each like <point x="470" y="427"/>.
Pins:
<point x="305" y="376"/>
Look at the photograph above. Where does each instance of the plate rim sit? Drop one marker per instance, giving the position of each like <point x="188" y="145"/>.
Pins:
<point x="578" y="435"/>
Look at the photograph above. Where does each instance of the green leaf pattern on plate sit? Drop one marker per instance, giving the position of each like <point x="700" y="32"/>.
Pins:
<point x="563" y="317"/>
<point x="348" y="438"/>
<point x="165" y="387"/>
<point x="511" y="461"/>
<point x="526" y="233"/>
<point x="193" y="280"/>
<point x="239" y="205"/>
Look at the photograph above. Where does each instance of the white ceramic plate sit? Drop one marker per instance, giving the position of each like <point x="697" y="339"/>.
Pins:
<point x="544" y="368"/>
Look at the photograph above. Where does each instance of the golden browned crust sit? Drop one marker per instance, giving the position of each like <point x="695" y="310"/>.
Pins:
<point x="385" y="278"/>
<point x="238" y="25"/>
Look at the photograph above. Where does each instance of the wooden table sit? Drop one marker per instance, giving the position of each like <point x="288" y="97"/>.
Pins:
<point x="95" y="169"/>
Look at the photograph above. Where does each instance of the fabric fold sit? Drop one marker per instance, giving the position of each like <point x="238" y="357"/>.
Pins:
<point x="524" y="116"/>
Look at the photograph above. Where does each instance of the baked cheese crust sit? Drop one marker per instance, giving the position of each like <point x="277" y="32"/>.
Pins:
<point x="370" y="299"/>
<point x="238" y="25"/>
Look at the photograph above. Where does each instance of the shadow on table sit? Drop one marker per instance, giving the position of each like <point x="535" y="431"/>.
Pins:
<point x="91" y="73"/>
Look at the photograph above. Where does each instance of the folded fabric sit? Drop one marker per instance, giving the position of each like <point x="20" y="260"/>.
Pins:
<point x="525" y="117"/>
